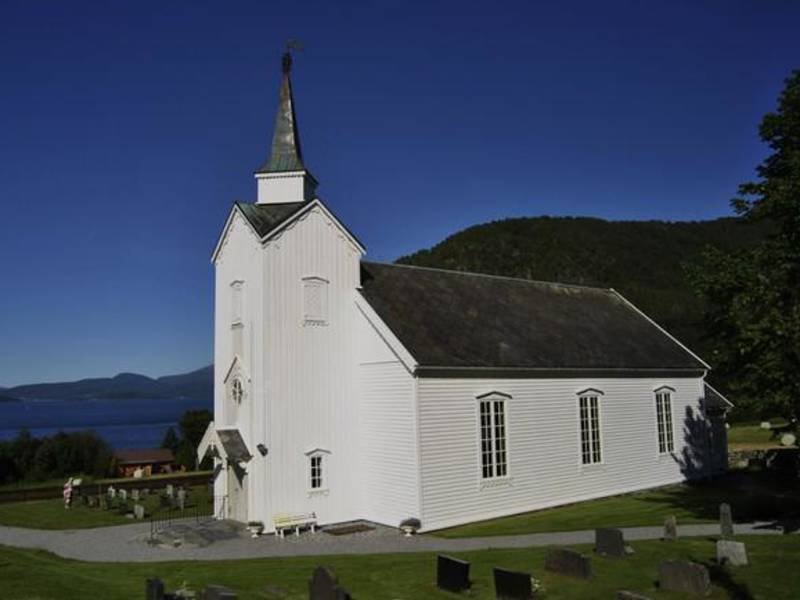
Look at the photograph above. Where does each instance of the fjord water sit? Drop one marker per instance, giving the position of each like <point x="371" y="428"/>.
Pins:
<point x="123" y="423"/>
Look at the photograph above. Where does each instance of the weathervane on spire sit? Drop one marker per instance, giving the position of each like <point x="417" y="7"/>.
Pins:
<point x="286" y="59"/>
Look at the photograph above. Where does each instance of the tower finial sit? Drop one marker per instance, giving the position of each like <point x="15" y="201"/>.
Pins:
<point x="286" y="59"/>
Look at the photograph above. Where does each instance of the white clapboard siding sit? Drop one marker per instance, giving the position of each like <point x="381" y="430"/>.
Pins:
<point x="543" y="444"/>
<point x="310" y="389"/>
<point x="388" y="461"/>
<point x="239" y="259"/>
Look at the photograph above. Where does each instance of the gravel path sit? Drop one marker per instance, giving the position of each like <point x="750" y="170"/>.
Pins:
<point x="128" y="543"/>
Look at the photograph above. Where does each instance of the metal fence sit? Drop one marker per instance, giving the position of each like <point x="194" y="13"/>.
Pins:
<point x="203" y="511"/>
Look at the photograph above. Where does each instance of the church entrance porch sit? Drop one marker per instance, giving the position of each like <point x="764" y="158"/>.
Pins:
<point x="237" y="492"/>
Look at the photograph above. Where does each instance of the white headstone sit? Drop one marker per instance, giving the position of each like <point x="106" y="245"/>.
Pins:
<point x="123" y="495"/>
<point x="731" y="553"/>
<point x="766" y="425"/>
<point x="788" y="439"/>
<point x="170" y="490"/>
<point x="112" y="493"/>
<point x="138" y="511"/>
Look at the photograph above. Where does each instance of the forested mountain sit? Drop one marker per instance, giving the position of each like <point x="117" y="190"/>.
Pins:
<point x="646" y="261"/>
<point x="196" y="384"/>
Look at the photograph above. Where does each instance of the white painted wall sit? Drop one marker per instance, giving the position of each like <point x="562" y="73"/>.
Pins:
<point x="388" y="428"/>
<point x="239" y="259"/>
<point x="277" y="188"/>
<point x="543" y="444"/>
<point x="310" y="388"/>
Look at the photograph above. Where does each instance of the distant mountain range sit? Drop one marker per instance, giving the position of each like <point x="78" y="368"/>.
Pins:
<point x="196" y="384"/>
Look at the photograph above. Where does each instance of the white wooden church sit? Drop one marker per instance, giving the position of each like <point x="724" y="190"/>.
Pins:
<point x="356" y="390"/>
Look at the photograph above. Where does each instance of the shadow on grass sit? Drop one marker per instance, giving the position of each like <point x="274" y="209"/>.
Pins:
<point x="721" y="576"/>
<point x="767" y="494"/>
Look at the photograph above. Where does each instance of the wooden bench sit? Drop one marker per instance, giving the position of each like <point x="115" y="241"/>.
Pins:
<point x="296" y="521"/>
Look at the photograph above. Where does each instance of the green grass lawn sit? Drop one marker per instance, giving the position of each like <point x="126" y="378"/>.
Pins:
<point x="750" y="435"/>
<point x="28" y="574"/>
<point x="752" y="496"/>
<point x="50" y="514"/>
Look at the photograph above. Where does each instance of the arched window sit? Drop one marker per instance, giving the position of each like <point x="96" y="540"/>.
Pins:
<point x="664" y="426"/>
<point x="589" y="416"/>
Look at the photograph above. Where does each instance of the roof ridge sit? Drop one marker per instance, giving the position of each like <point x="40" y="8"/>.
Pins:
<point x="490" y="276"/>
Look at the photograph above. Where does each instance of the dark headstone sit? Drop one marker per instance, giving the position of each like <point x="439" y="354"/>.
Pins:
<point x="670" y="529"/>
<point x="684" y="576"/>
<point x="626" y="595"/>
<point x="512" y="585"/>
<point x="217" y="592"/>
<point x="452" y="574"/>
<point x="609" y="542"/>
<point x="323" y="585"/>
<point x="154" y="589"/>
<point x="568" y="562"/>
<point x="725" y="521"/>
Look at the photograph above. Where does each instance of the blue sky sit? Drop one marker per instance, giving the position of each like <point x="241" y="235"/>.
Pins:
<point x="128" y="128"/>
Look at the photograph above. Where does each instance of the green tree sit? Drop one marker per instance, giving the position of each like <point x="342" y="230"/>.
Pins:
<point x="171" y="440"/>
<point x="193" y="425"/>
<point x="753" y="295"/>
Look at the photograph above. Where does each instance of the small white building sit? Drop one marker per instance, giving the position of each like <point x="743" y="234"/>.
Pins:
<point x="358" y="390"/>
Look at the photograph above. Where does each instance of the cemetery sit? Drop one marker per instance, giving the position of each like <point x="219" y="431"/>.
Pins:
<point x="688" y="566"/>
<point x="109" y="505"/>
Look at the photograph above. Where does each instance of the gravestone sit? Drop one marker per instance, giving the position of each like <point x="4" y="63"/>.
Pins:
<point x="512" y="585"/>
<point x="123" y="495"/>
<point x="626" y="595"/>
<point x="170" y="490"/>
<point x="684" y="576"/>
<point x="609" y="542"/>
<point x="731" y="553"/>
<point x="766" y="425"/>
<point x="323" y="585"/>
<point x="452" y="574"/>
<point x="135" y="495"/>
<point x="217" y="592"/>
<point x="112" y="493"/>
<point x="138" y="511"/>
<point x="181" y="498"/>
<point x="670" y="529"/>
<point x="725" y="521"/>
<point x="568" y="562"/>
<point x="154" y="589"/>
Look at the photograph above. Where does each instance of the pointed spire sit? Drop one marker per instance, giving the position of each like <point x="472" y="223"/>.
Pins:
<point x="285" y="154"/>
<point x="284" y="178"/>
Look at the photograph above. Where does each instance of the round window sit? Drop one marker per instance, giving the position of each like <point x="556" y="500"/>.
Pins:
<point x="237" y="391"/>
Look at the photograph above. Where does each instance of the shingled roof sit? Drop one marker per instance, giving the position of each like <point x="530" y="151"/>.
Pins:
<point x="456" y="321"/>
<point x="266" y="217"/>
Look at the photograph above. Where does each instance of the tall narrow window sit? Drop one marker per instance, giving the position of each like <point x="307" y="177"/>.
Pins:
<point x="315" y="301"/>
<point x="666" y="443"/>
<point x="589" y="409"/>
<point x="316" y="472"/>
<point x="236" y="301"/>
<point x="494" y="462"/>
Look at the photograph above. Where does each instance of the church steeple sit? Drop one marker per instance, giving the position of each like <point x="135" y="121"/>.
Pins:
<point x="284" y="177"/>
